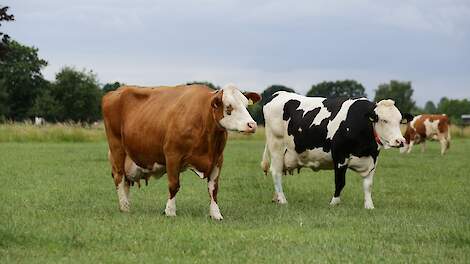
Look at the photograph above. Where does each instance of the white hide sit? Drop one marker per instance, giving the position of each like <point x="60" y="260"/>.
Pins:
<point x="388" y="125"/>
<point x="170" y="209"/>
<point x="280" y="147"/>
<point x="214" y="210"/>
<point x="239" y="117"/>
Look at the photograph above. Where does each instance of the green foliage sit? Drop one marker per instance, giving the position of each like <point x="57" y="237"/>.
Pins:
<point x="341" y="88"/>
<point x="430" y="108"/>
<point x="454" y="108"/>
<point x="21" y="80"/>
<point x="60" y="206"/>
<point x="4" y="16"/>
<point x="400" y="92"/>
<point x="77" y="95"/>
<point x="111" y="87"/>
<point x="206" y="83"/>
<point x="256" y="110"/>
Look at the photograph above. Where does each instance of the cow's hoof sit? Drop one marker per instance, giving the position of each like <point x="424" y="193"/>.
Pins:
<point x="124" y="206"/>
<point x="214" y="211"/>
<point x="216" y="216"/>
<point x="368" y="205"/>
<point x="169" y="212"/>
<point x="335" y="201"/>
<point x="279" y="198"/>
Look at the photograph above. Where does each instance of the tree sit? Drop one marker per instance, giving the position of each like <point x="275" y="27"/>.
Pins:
<point x="400" y="92"/>
<point x="341" y="88"/>
<point x="111" y="87"/>
<point x="77" y="95"/>
<point x="256" y="110"/>
<point x="430" y="108"/>
<point x="4" y="16"/>
<point x="454" y="108"/>
<point x="20" y="80"/>
<point x="46" y="105"/>
<point x="206" y="83"/>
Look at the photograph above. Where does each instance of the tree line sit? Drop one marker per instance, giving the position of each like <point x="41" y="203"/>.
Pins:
<point x="75" y="95"/>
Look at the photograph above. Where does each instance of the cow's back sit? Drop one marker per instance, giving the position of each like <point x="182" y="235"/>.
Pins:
<point x="427" y="126"/>
<point x="145" y="118"/>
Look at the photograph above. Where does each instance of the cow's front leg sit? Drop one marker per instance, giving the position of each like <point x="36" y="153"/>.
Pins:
<point x="122" y="189"/>
<point x="212" y="187"/>
<point x="340" y="181"/>
<point x="367" y="184"/>
<point x="410" y="146"/>
<point x="173" y="172"/>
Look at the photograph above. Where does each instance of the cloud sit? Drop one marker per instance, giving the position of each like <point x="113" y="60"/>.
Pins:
<point x="255" y="43"/>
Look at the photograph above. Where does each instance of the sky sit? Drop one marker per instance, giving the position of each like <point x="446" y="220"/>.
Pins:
<point x="256" y="43"/>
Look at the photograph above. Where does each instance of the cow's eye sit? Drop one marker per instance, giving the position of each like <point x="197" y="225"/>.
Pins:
<point x="229" y="110"/>
<point x="384" y="121"/>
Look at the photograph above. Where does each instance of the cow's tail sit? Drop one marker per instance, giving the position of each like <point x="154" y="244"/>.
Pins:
<point x="266" y="160"/>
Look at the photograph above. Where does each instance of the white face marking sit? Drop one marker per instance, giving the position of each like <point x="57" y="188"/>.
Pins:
<point x="388" y="125"/>
<point x="334" y="124"/>
<point x="238" y="118"/>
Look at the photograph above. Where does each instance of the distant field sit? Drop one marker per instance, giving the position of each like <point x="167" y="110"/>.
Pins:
<point x="59" y="205"/>
<point x="68" y="132"/>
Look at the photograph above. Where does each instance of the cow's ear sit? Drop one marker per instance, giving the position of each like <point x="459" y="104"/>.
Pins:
<point x="254" y="97"/>
<point x="216" y="101"/>
<point x="372" y="116"/>
<point x="406" y="118"/>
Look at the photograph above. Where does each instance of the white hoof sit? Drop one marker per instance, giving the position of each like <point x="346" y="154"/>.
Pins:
<point x="170" y="212"/>
<point x="124" y="206"/>
<point x="170" y="209"/>
<point x="214" y="212"/>
<point x="369" y="205"/>
<point x="279" y="198"/>
<point x="335" y="201"/>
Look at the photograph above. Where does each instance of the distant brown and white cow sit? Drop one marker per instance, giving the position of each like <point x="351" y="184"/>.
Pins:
<point x="424" y="127"/>
<point x="158" y="130"/>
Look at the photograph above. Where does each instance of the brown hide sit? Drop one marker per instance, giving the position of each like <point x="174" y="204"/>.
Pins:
<point x="173" y="126"/>
<point x="417" y="130"/>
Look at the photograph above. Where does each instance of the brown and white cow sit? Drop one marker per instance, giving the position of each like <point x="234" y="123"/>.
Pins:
<point x="424" y="127"/>
<point x="156" y="130"/>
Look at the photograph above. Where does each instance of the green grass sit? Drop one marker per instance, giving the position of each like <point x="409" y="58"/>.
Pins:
<point x="60" y="132"/>
<point x="59" y="206"/>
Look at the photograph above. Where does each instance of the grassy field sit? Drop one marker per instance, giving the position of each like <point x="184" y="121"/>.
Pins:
<point x="72" y="132"/>
<point x="59" y="205"/>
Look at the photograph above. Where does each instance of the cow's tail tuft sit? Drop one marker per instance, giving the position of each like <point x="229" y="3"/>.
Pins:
<point x="266" y="160"/>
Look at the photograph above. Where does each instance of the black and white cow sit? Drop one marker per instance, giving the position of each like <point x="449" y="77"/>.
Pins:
<point x="322" y="133"/>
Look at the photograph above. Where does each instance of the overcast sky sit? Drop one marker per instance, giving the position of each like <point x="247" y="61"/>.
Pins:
<point x="255" y="43"/>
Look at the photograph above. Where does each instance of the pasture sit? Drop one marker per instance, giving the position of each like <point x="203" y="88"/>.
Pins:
<point x="59" y="205"/>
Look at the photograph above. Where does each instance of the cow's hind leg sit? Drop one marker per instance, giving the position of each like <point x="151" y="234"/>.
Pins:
<point x="410" y="146"/>
<point x="173" y="172"/>
<point x="423" y="146"/>
<point x="340" y="181"/>
<point x="444" y="144"/>
<point x="212" y="187"/>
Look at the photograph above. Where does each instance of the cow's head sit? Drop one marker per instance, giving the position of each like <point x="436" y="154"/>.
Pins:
<point x="231" y="105"/>
<point x="386" y="120"/>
